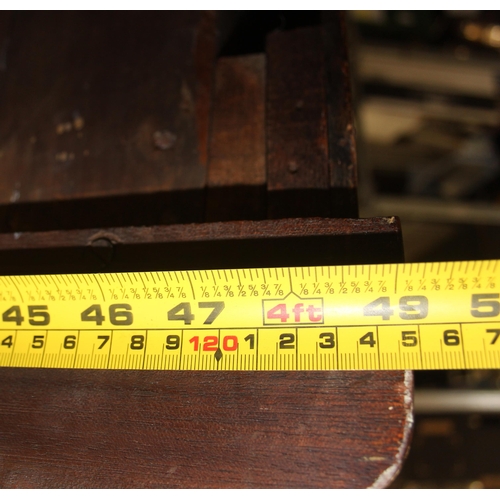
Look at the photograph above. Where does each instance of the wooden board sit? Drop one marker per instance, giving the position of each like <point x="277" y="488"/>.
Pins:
<point x="236" y="178"/>
<point x="342" y="156"/>
<point x="63" y="428"/>
<point x="129" y="76"/>
<point x="296" y="126"/>
<point x="217" y="245"/>
<point x="311" y="158"/>
<point x="69" y="429"/>
<point x="100" y="104"/>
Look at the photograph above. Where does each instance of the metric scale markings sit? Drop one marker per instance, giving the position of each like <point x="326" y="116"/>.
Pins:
<point x="443" y="315"/>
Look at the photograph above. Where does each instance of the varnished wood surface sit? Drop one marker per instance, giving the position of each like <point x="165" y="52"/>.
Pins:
<point x="342" y="156"/>
<point x="236" y="177"/>
<point x="105" y="103"/>
<point x="99" y="429"/>
<point x="296" y="125"/>
<point x="231" y="244"/>
<point x="90" y="428"/>
<point x="284" y="116"/>
<point x="311" y="156"/>
<point x="118" y="429"/>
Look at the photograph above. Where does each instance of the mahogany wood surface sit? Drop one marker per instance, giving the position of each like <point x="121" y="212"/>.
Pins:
<point x="99" y="104"/>
<point x="311" y="148"/>
<point x="283" y="121"/>
<point x="342" y="156"/>
<point x="217" y="245"/>
<point x="99" y="429"/>
<point x="236" y="177"/>
<point x="296" y="126"/>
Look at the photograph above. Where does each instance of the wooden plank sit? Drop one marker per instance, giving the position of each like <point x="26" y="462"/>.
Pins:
<point x="119" y="429"/>
<point x="105" y="103"/>
<point x="237" y="167"/>
<point x="204" y="246"/>
<point x="5" y="21"/>
<point x="341" y="133"/>
<point x="160" y="429"/>
<point x="296" y="126"/>
<point x="63" y="428"/>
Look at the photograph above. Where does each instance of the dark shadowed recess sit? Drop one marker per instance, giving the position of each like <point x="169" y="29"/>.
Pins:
<point x="246" y="31"/>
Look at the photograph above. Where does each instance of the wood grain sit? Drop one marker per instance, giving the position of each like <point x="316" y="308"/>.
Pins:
<point x="129" y="75"/>
<point x="296" y="126"/>
<point x="90" y="428"/>
<point x="119" y="429"/>
<point x="236" y="177"/>
<point x="105" y="103"/>
<point x="285" y="242"/>
<point x="341" y="132"/>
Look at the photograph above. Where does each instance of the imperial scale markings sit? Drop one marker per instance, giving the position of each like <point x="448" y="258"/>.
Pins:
<point x="368" y="317"/>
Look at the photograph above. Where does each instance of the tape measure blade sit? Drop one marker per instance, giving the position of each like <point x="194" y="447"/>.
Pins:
<point x="439" y="315"/>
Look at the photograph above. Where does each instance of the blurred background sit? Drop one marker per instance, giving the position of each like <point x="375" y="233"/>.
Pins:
<point x="428" y="120"/>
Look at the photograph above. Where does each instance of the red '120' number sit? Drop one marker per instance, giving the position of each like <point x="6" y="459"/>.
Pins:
<point x="211" y="343"/>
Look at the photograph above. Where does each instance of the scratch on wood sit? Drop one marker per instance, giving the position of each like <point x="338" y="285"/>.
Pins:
<point x="389" y="474"/>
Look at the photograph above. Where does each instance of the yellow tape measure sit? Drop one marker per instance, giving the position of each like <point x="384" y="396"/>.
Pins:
<point x="442" y="315"/>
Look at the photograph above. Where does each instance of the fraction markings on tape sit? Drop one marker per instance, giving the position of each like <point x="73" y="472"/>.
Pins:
<point x="441" y="315"/>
